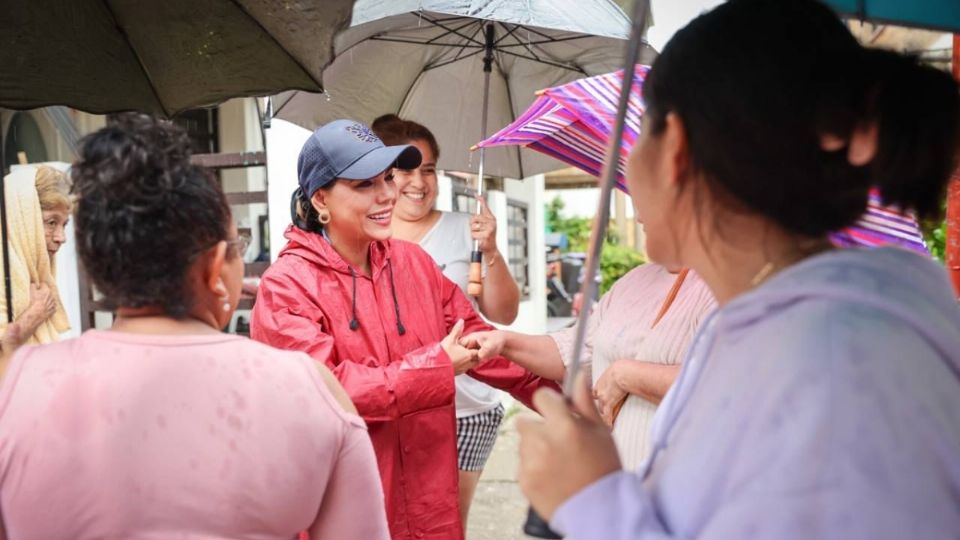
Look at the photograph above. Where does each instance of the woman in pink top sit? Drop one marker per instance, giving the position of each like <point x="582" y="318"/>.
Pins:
<point x="637" y="336"/>
<point x="163" y="427"/>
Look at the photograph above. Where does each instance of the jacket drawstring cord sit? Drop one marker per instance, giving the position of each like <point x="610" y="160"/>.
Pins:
<point x="354" y="323"/>
<point x="396" y="304"/>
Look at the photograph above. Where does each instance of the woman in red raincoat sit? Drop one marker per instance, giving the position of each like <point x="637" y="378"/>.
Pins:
<point x="380" y="314"/>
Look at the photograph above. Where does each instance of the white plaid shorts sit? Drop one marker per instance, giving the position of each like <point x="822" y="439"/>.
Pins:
<point x="475" y="438"/>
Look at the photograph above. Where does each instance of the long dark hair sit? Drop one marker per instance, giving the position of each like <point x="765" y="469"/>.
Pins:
<point x="144" y="213"/>
<point x="757" y="84"/>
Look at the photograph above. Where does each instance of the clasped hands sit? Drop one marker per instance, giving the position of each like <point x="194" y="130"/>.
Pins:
<point x="467" y="352"/>
<point x="569" y="446"/>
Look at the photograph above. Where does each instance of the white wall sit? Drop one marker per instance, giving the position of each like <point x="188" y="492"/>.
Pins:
<point x="532" y="316"/>
<point x="671" y="15"/>
<point x="284" y="141"/>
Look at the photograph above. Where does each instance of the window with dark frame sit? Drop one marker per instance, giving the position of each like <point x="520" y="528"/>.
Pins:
<point x="202" y="126"/>
<point x="518" y="252"/>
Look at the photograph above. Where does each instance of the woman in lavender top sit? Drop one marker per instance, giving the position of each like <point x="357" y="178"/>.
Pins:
<point x="822" y="399"/>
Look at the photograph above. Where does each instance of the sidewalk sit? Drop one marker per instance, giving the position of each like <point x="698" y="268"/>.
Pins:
<point x="499" y="509"/>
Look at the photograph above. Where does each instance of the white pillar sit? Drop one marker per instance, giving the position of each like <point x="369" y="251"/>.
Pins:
<point x="497" y="201"/>
<point x="284" y="141"/>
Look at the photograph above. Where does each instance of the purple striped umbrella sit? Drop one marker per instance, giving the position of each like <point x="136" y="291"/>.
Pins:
<point x="572" y="123"/>
<point x="883" y="225"/>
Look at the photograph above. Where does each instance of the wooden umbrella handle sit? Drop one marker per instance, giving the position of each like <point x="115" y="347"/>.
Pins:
<point x="475" y="279"/>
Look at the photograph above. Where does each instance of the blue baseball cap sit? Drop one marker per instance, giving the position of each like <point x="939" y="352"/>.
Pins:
<point x="349" y="150"/>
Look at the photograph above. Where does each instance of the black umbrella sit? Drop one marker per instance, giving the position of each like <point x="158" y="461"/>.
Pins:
<point x="160" y="57"/>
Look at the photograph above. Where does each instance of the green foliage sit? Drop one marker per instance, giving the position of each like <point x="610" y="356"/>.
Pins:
<point x="616" y="259"/>
<point x="935" y="235"/>
<point x="576" y="229"/>
<point x="936" y="238"/>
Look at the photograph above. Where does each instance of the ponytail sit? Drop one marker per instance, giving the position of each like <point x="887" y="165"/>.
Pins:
<point x="303" y="214"/>
<point x="789" y="117"/>
<point x="916" y="109"/>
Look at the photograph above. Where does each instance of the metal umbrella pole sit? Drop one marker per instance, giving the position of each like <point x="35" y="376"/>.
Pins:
<point x="475" y="280"/>
<point x="535" y="525"/>
<point x="4" y="237"/>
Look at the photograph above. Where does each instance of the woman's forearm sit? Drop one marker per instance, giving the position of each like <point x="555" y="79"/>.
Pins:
<point x="29" y="321"/>
<point x="537" y="354"/>
<point x="500" y="298"/>
<point x="645" y="379"/>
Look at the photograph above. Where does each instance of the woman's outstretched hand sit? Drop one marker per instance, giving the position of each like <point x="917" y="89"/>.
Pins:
<point x="487" y="344"/>
<point x="565" y="451"/>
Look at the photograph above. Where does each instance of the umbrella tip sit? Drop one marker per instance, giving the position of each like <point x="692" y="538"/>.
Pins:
<point x="474" y="147"/>
<point x="540" y="92"/>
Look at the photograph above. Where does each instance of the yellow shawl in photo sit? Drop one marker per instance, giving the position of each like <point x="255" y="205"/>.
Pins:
<point x="29" y="260"/>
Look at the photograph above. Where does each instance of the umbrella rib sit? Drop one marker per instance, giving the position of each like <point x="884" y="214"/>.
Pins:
<point x="415" y="42"/>
<point x="276" y="111"/>
<point x="143" y="68"/>
<point x="435" y="23"/>
<point x="551" y="40"/>
<point x="406" y="95"/>
<point x="546" y="38"/>
<point x="575" y="68"/>
<point x="509" y="33"/>
<point x="446" y="19"/>
<point x="505" y="36"/>
<point x="431" y="67"/>
<point x="448" y="32"/>
<point x="535" y="31"/>
<point x="475" y="32"/>
<point x="278" y="44"/>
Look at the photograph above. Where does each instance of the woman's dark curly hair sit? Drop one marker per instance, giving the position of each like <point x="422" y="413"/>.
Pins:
<point x="144" y="212"/>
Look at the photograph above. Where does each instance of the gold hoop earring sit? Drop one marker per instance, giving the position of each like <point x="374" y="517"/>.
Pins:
<point x="323" y="217"/>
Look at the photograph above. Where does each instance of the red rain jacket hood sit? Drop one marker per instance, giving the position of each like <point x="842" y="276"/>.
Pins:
<point x="401" y="382"/>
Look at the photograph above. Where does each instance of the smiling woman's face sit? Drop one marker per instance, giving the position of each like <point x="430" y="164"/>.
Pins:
<point x="359" y="209"/>
<point x="417" y="188"/>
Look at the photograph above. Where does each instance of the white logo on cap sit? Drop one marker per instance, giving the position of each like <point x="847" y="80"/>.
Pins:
<point x="362" y="133"/>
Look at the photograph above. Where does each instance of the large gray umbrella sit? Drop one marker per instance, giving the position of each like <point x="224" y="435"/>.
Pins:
<point x="424" y="60"/>
<point x="161" y="56"/>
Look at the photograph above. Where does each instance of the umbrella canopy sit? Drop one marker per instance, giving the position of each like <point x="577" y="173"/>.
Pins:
<point x="161" y="57"/>
<point x="423" y="60"/>
<point x="932" y="14"/>
<point x="572" y="123"/>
